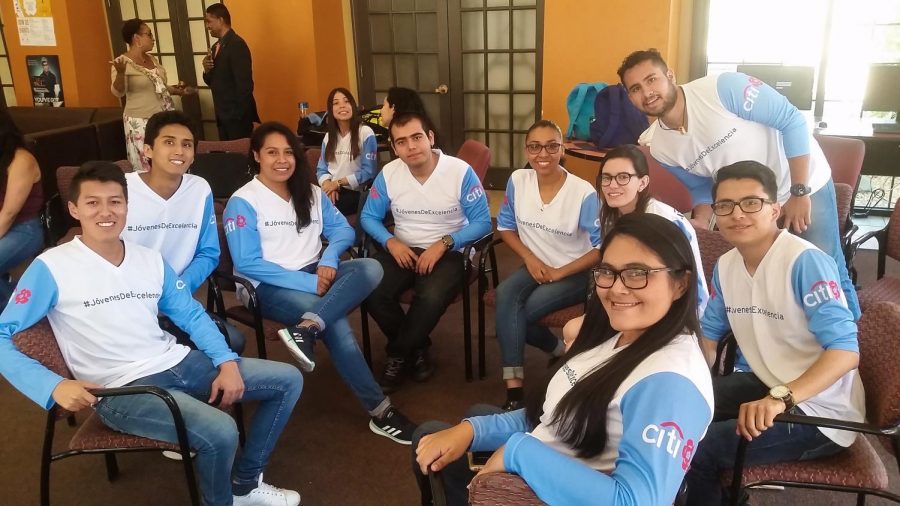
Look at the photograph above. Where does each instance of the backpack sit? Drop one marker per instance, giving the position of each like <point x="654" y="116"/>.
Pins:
<point x="616" y="120"/>
<point x="580" y="105"/>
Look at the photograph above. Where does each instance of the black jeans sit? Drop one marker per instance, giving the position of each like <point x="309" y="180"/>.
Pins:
<point x="408" y="332"/>
<point x="231" y="129"/>
<point x="456" y="475"/>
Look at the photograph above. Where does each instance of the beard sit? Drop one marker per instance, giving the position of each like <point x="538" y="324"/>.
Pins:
<point x="669" y="98"/>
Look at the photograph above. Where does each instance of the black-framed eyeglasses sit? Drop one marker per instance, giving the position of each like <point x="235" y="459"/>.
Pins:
<point x="634" y="278"/>
<point x="535" y="148"/>
<point x="148" y="34"/>
<point x="622" y="178"/>
<point x="748" y="205"/>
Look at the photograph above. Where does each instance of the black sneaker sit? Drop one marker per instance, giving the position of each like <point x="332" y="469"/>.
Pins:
<point x="300" y="342"/>
<point x="394" y="426"/>
<point x="394" y="370"/>
<point x="422" y="368"/>
<point x="513" y="405"/>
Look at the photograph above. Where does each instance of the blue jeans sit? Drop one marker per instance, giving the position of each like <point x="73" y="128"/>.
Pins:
<point x="716" y="452"/>
<point x="211" y="432"/>
<point x="355" y="280"/>
<point x="824" y="233"/>
<point x="21" y="242"/>
<point x="521" y="302"/>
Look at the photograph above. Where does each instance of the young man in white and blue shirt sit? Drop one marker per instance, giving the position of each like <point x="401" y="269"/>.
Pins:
<point x="797" y="339"/>
<point x="102" y="297"/>
<point x="439" y="207"/>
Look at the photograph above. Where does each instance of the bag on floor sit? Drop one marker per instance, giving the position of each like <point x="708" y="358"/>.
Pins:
<point x="616" y="120"/>
<point x="580" y="105"/>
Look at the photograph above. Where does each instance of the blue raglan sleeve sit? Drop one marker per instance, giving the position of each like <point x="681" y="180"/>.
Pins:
<point x="377" y="206"/>
<point x="715" y="320"/>
<point x="767" y="107"/>
<point x="506" y="218"/>
<point x="689" y="232"/>
<point x="589" y="218"/>
<point x="322" y="173"/>
<point x="35" y="295"/>
<point x="339" y="233"/>
<point x="242" y="235"/>
<point x="368" y="159"/>
<point x="664" y="416"/>
<point x="206" y="258"/>
<point x="817" y="289"/>
<point x="492" y="431"/>
<point x="700" y="187"/>
<point x="186" y="312"/>
<point x="475" y="206"/>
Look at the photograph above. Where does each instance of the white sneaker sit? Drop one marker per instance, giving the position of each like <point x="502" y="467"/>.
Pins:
<point x="175" y="455"/>
<point x="267" y="495"/>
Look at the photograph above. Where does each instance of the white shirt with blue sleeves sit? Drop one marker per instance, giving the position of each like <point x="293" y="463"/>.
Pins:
<point x="104" y="317"/>
<point x="670" y="213"/>
<point x="451" y="201"/>
<point x="734" y="117"/>
<point x="357" y="170"/>
<point x="182" y="228"/>
<point x="556" y="235"/>
<point x="784" y="317"/>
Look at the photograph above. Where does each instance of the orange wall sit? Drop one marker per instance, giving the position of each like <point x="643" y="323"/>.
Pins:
<point x="591" y="45"/>
<point x="80" y="62"/>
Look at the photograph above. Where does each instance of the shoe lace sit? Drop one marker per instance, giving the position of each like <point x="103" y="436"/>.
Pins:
<point x="393" y="367"/>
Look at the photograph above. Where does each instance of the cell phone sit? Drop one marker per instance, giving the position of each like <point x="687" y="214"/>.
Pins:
<point x="477" y="460"/>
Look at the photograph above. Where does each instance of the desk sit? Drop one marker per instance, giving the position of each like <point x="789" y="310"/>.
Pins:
<point x="882" y="149"/>
<point x="584" y="150"/>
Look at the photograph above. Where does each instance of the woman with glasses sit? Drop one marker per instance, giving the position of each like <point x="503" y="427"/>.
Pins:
<point x="617" y="420"/>
<point x="624" y="183"/>
<point x="139" y="77"/>
<point x="549" y="219"/>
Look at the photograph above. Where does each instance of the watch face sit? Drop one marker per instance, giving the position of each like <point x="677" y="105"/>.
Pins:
<point x="780" y="391"/>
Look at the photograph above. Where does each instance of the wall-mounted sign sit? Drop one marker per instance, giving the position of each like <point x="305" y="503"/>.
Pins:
<point x="46" y="80"/>
<point x="35" y="22"/>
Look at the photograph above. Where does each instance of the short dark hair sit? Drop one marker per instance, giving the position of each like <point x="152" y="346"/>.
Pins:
<point x="220" y="11"/>
<point x="403" y="118"/>
<point x="100" y="171"/>
<point x="165" y="118"/>
<point x="130" y="28"/>
<point x="748" y="169"/>
<point x="641" y="56"/>
<point x="544" y="123"/>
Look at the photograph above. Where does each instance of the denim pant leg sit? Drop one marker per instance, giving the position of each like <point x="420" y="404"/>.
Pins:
<point x="825" y="234"/>
<point x="277" y="387"/>
<point x="236" y="340"/>
<point x="211" y="433"/>
<point x="455" y="475"/>
<point x="21" y="242"/>
<point x="548" y="298"/>
<point x="350" y="364"/>
<point x="383" y="303"/>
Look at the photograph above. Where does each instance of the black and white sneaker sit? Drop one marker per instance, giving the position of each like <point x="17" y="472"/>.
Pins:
<point x="300" y="342"/>
<point x="394" y="426"/>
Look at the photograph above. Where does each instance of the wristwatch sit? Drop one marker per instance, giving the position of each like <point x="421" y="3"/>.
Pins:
<point x="783" y="393"/>
<point x="800" y="189"/>
<point x="448" y="241"/>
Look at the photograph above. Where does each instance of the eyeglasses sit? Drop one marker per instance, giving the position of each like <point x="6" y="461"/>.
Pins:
<point x="148" y="34"/>
<point x="748" y="205"/>
<point x="634" y="278"/>
<point x="622" y="178"/>
<point x="535" y="148"/>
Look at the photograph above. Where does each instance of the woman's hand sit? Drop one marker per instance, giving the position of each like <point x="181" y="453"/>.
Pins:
<point x="119" y="64"/>
<point x="495" y="463"/>
<point x="437" y="450"/>
<point x="538" y="270"/>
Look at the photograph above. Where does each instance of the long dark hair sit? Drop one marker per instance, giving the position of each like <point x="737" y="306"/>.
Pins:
<point x="408" y="100"/>
<point x="300" y="182"/>
<point x="581" y="413"/>
<point x="11" y="140"/>
<point x="334" y="131"/>
<point x="610" y="215"/>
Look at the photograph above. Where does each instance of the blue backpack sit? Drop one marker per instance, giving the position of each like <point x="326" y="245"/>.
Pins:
<point x="616" y="120"/>
<point x="580" y="105"/>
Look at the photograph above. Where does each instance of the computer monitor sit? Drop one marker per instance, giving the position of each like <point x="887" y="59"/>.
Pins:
<point x="794" y="82"/>
<point x="883" y="90"/>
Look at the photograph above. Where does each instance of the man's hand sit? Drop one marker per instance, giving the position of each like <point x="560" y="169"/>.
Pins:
<point x="73" y="395"/>
<point x="229" y="383"/>
<point x="757" y="416"/>
<point x="495" y="463"/>
<point x="430" y="257"/>
<point x="796" y="212"/>
<point x="441" y="448"/>
<point x="403" y="255"/>
<point x="326" y="278"/>
<point x="538" y="270"/>
<point x="208" y="63"/>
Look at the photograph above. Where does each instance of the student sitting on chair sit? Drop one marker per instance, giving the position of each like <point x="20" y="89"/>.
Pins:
<point x="102" y="296"/>
<point x="615" y="422"/>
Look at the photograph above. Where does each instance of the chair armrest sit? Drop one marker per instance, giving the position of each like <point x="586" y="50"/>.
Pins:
<point x="165" y="396"/>
<point x="489" y="248"/>
<point x="879" y="235"/>
<point x="244" y="282"/>
<point x="478" y="246"/>
<point x="834" y="423"/>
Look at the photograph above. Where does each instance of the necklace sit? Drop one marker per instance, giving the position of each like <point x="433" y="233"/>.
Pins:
<point x="681" y="129"/>
<point x="557" y="185"/>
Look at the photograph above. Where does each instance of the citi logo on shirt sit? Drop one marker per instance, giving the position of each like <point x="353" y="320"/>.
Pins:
<point x="821" y="292"/>
<point x="751" y="92"/>
<point x="234" y="223"/>
<point x="22" y="296"/>
<point x="668" y="436"/>
<point x="475" y="193"/>
<point x="373" y="193"/>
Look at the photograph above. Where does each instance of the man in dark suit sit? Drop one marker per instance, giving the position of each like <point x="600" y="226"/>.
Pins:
<point x="228" y="71"/>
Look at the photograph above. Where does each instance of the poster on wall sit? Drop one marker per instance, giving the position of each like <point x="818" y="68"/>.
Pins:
<point x="35" y="22"/>
<point x="46" y="80"/>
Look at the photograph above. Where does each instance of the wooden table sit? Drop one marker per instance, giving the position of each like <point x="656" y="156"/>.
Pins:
<point x="584" y="150"/>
